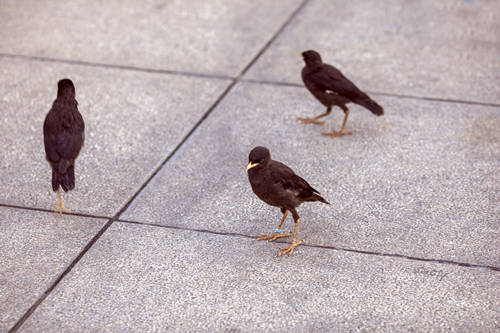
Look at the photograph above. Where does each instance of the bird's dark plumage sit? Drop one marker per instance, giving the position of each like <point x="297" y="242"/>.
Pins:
<point x="331" y="87"/>
<point x="277" y="185"/>
<point x="63" y="136"/>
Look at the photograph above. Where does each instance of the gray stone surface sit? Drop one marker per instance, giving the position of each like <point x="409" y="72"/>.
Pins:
<point x="133" y="120"/>
<point x="218" y="37"/>
<point x="139" y="278"/>
<point x="34" y="249"/>
<point x="423" y="180"/>
<point x="444" y="49"/>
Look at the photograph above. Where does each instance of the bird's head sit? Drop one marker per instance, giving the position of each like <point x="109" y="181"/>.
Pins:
<point x="311" y="58"/>
<point x="65" y="87"/>
<point x="258" y="158"/>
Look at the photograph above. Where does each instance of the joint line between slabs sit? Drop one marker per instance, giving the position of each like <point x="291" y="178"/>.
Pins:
<point x="115" y="66"/>
<point x="173" y="227"/>
<point x="325" y="247"/>
<point x="28" y="313"/>
<point x="211" y="108"/>
<point x="395" y="95"/>
<point x="45" y="210"/>
<point x="227" y="77"/>
<point x="47" y="292"/>
<point x="174" y="151"/>
<point x="273" y="38"/>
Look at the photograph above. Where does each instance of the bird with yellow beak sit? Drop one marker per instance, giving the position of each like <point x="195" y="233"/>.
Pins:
<point x="277" y="185"/>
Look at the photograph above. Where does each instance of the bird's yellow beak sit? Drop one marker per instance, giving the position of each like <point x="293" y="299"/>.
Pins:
<point x="251" y="165"/>
<point x="301" y="54"/>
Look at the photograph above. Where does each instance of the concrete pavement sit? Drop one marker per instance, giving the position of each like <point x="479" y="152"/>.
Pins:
<point x="175" y="94"/>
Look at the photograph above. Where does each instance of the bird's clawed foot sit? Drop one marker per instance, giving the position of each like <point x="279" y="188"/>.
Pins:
<point x="310" y="121"/>
<point x="273" y="236"/>
<point x="61" y="208"/>
<point x="335" y="134"/>
<point x="289" y="250"/>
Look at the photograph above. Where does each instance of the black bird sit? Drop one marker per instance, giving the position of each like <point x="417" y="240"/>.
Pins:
<point x="277" y="185"/>
<point x="63" y="136"/>
<point x="332" y="88"/>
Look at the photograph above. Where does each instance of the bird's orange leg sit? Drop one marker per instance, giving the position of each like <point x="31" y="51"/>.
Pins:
<point x="60" y="204"/>
<point x="334" y="134"/>
<point x="294" y="244"/>
<point x="277" y="233"/>
<point x="315" y="119"/>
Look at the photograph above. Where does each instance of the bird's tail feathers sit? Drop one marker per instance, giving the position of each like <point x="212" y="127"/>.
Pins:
<point x="371" y="105"/>
<point x="317" y="197"/>
<point x="62" y="166"/>
<point x="65" y="180"/>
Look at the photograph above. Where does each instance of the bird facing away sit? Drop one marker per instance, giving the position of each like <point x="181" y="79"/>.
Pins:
<point x="63" y="137"/>
<point x="332" y="88"/>
<point x="277" y="185"/>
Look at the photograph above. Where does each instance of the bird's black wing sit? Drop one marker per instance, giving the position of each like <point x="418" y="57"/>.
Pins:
<point x="63" y="138"/>
<point x="329" y="78"/>
<point x="286" y="178"/>
<point x="50" y="139"/>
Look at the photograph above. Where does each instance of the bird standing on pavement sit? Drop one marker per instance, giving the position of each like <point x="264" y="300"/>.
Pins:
<point x="277" y="185"/>
<point x="332" y="88"/>
<point x="63" y="137"/>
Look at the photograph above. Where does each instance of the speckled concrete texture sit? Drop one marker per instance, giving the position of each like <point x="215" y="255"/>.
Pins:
<point x="34" y="249"/>
<point x="444" y="49"/>
<point x="161" y="235"/>
<point x="139" y="278"/>
<point x="133" y="121"/>
<point x="218" y="36"/>
<point x="422" y="180"/>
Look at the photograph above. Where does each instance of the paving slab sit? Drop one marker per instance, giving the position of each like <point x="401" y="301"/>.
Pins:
<point x="423" y="180"/>
<point x="150" y="279"/>
<point x="443" y="49"/>
<point x="217" y="37"/>
<point x="133" y="121"/>
<point x="35" y="248"/>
